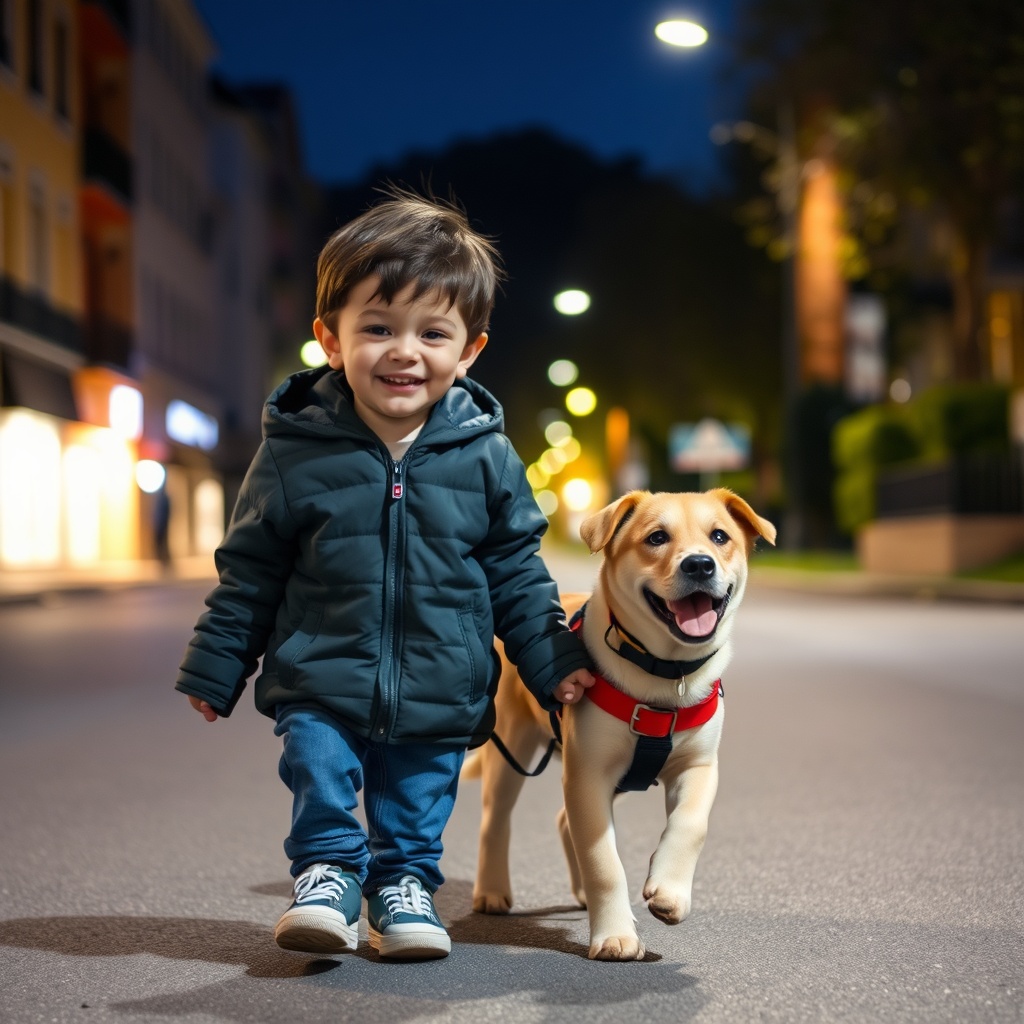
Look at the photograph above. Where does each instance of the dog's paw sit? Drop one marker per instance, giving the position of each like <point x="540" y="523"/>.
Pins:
<point x="617" y="947"/>
<point x="666" y="904"/>
<point x="491" y="903"/>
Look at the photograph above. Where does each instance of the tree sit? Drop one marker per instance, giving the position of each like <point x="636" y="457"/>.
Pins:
<point x="924" y="102"/>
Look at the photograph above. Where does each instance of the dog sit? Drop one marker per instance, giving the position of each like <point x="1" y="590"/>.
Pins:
<point x="658" y="627"/>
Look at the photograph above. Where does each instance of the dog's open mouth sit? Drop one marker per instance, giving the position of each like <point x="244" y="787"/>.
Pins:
<point x="693" y="618"/>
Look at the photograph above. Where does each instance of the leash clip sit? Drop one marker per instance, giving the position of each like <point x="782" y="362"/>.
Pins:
<point x="634" y="720"/>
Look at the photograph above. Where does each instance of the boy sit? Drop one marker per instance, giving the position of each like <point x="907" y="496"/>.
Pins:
<point x="383" y="534"/>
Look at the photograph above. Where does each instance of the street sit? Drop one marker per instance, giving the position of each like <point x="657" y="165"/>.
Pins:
<point x="865" y="860"/>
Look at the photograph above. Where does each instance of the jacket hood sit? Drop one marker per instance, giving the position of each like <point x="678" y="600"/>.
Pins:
<point x="318" y="403"/>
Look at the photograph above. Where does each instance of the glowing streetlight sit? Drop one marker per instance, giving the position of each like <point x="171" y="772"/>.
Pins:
<point x="149" y="475"/>
<point x="681" y="33"/>
<point x="581" y="401"/>
<point x="312" y="354"/>
<point x="572" y="302"/>
<point x="577" y="494"/>
<point x="563" y="372"/>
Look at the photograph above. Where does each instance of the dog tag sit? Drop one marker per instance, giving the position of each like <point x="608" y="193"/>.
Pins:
<point x="681" y="687"/>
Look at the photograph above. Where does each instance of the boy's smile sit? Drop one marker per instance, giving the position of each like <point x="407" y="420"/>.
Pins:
<point x="400" y="357"/>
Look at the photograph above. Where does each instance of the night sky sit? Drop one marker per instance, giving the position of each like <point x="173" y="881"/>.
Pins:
<point x="376" y="79"/>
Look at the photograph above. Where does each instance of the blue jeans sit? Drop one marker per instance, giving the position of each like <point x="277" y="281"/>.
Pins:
<point x="409" y="795"/>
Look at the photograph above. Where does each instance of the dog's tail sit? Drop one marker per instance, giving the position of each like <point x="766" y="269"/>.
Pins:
<point x="472" y="767"/>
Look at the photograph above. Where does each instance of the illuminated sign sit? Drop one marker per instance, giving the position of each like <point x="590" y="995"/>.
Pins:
<point x="187" y="425"/>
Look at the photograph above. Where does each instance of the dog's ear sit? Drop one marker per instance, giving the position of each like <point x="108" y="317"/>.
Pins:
<point x="753" y="525"/>
<point x="597" y="530"/>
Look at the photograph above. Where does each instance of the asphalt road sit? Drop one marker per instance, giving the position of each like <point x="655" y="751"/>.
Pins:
<point x="865" y="859"/>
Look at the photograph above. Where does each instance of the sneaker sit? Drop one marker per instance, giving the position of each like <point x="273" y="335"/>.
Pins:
<point x="324" y="916"/>
<point x="403" y="923"/>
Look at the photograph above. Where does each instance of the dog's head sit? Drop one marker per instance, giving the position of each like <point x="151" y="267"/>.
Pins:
<point x="675" y="564"/>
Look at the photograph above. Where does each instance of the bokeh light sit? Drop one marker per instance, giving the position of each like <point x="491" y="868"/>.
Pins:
<point x="681" y="33"/>
<point x="581" y="401"/>
<point x="563" y="372"/>
<point x="572" y="302"/>
<point x="577" y="494"/>
<point x="312" y="354"/>
<point x="149" y="475"/>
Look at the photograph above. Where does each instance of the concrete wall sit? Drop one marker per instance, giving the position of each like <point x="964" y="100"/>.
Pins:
<point x="939" y="544"/>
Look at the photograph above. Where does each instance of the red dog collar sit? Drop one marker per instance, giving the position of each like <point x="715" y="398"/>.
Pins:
<point x="646" y="720"/>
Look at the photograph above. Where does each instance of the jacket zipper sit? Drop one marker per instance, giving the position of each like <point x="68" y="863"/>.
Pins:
<point x="392" y="624"/>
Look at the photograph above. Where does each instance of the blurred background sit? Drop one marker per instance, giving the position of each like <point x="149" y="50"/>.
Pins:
<point x="772" y="244"/>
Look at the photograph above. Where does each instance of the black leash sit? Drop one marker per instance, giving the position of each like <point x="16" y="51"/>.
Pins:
<point x="556" y="727"/>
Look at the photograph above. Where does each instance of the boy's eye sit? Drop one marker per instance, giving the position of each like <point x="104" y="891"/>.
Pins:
<point x="435" y="335"/>
<point x="378" y="329"/>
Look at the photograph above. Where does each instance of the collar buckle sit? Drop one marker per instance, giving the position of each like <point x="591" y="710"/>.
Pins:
<point x="635" y="725"/>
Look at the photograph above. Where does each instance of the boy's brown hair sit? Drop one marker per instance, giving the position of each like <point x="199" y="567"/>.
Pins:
<point x="408" y="239"/>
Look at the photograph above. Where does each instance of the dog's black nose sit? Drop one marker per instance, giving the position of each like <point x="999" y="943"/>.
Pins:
<point x="700" y="567"/>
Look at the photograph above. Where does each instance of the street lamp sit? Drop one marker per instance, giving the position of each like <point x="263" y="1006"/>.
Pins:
<point x="679" y="32"/>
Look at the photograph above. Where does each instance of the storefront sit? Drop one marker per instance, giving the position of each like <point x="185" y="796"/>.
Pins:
<point x="93" y="490"/>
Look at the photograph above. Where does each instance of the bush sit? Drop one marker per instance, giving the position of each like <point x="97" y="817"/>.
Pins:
<point x="943" y="422"/>
<point x="957" y="419"/>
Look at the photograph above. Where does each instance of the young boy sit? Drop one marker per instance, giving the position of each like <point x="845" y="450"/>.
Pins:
<point x="384" y="533"/>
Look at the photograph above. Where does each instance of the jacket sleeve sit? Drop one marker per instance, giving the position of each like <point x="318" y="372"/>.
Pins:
<point x="254" y="562"/>
<point x="528" y="616"/>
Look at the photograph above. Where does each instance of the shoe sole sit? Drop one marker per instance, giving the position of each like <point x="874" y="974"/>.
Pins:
<point x="316" y="930"/>
<point x="428" y="944"/>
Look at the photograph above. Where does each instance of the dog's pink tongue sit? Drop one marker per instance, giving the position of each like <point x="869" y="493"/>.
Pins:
<point x="694" y="614"/>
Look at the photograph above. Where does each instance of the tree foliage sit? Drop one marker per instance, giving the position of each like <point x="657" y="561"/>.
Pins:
<point x="924" y="105"/>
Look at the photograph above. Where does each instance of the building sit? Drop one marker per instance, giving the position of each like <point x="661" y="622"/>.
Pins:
<point x="139" y="306"/>
<point x="66" y="490"/>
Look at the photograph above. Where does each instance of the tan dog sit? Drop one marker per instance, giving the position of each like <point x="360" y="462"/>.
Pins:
<point x="658" y="627"/>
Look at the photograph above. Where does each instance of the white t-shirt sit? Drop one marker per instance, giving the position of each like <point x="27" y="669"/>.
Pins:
<point x="399" y="448"/>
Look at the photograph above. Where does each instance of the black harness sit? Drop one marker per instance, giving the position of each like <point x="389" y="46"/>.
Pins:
<point x="651" y="752"/>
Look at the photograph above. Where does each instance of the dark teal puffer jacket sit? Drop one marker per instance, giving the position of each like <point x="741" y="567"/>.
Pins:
<point x="374" y="588"/>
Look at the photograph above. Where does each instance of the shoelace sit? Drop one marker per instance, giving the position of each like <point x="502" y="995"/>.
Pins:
<point x="409" y="897"/>
<point x="320" y="882"/>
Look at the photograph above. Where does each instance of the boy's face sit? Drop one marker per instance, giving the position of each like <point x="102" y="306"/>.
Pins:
<point x="399" y="358"/>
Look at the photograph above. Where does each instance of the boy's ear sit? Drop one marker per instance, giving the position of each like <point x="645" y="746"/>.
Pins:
<point x="469" y="354"/>
<point x="329" y="343"/>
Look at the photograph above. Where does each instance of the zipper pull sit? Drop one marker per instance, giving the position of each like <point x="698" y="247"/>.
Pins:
<point x="397" y="487"/>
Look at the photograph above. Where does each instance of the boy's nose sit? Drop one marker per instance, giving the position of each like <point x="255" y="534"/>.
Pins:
<point x="404" y="346"/>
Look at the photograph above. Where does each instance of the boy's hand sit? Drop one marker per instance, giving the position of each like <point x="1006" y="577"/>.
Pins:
<point x="573" y="686"/>
<point x="203" y="708"/>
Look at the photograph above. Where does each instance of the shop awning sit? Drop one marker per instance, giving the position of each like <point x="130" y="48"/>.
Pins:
<point x="33" y="385"/>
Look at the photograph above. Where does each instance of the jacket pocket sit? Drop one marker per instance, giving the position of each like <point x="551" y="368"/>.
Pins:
<point x="479" y="658"/>
<point x="291" y="651"/>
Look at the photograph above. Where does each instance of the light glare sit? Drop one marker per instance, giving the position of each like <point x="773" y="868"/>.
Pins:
<point x="563" y="372"/>
<point x="150" y="475"/>
<point x="681" y="33"/>
<point x="581" y="401"/>
<point x="577" y="494"/>
<point x="311" y="354"/>
<point x="572" y="302"/>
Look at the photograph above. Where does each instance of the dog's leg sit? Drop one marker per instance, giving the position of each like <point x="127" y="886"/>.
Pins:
<point x="575" y="881"/>
<point x="500" y="788"/>
<point x="589" y="789"/>
<point x="688" y="798"/>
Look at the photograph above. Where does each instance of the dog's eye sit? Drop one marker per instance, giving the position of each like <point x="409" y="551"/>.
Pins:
<point x="657" y="538"/>
<point x="719" y="537"/>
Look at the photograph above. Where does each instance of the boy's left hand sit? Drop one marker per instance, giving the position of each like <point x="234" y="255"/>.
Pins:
<point x="573" y="686"/>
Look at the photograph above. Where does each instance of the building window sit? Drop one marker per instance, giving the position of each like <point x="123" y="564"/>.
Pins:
<point x="6" y="33"/>
<point x="61" y="71"/>
<point x="39" y="255"/>
<point x="35" y="46"/>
